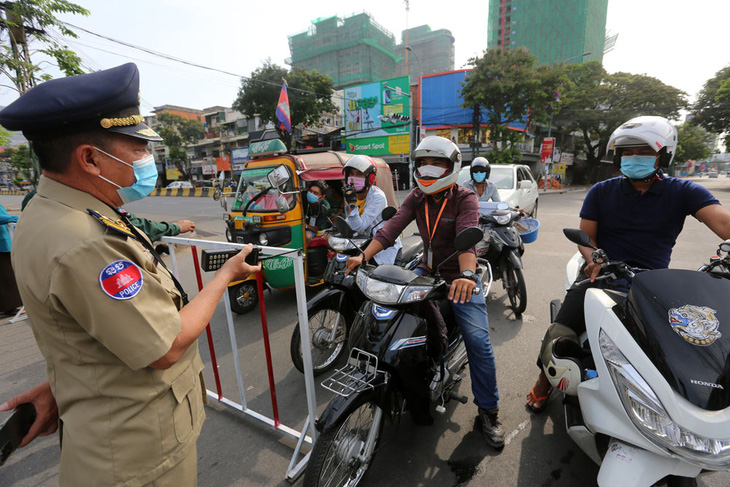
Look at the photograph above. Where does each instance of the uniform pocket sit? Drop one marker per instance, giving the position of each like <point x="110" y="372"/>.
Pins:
<point x="185" y="412"/>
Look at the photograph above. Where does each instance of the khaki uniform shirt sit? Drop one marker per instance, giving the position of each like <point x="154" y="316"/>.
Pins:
<point x="102" y="311"/>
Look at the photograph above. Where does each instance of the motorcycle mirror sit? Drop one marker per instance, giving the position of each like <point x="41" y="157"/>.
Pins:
<point x="578" y="237"/>
<point x="216" y="195"/>
<point x="725" y="246"/>
<point x="343" y="228"/>
<point x="388" y="213"/>
<point x="468" y="238"/>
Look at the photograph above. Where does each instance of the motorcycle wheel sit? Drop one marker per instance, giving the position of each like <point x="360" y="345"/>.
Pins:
<point x="244" y="297"/>
<point x="325" y="351"/>
<point x="340" y="457"/>
<point x="516" y="290"/>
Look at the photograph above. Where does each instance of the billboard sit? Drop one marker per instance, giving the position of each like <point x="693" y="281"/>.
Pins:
<point x="377" y="117"/>
<point x="441" y="102"/>
<point x="239" y="156"/>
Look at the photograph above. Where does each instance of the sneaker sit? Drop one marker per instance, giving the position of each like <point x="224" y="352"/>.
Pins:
<point x="492" y="428"/>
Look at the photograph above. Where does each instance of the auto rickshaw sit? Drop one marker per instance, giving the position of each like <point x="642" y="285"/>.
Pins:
<point x="263" y="214"/>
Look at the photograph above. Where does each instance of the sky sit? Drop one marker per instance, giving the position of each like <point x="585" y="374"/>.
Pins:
<point x="683" y="43"/>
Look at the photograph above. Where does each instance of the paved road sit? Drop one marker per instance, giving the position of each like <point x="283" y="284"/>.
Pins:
<point x="237" y="451"/>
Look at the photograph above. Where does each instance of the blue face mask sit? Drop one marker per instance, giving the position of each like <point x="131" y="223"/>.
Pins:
<point x="311" y="197"/>
<point x="479" y="177"/>
<point x="146" y="173"/>
<point x="638" y="167"/>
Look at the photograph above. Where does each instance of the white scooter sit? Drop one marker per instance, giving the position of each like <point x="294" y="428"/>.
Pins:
<point x="649" y="399"/>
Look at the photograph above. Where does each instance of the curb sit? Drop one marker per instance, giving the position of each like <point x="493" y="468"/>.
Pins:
<point x="187" y="192"/>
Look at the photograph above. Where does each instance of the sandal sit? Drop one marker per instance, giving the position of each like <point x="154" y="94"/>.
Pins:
<point x="543" y="400"/>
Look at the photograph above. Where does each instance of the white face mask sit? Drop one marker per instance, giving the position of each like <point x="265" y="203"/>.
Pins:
<point x="431" y="171"/>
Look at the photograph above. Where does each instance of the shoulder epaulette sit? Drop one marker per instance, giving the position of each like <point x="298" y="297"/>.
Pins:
<point x="113" y="225"/>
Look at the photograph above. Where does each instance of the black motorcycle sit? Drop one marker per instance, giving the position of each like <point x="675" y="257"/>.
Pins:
<point x="392" y="366"/>
<point x="502" y="247"/>
<point x="332" y="311"/>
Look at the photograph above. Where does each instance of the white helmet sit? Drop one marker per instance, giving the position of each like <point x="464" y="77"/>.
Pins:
<point x="364" y="164"/>
<point x="565" y="369"/>
<point x="656" y="132"/>
<point x="441" y="148"/>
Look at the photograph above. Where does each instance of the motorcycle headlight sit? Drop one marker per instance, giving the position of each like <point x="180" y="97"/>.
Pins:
<point x="414" y="293"/>
<point x="502" y="219"/>
<point x="263" y="239"/>
<point x="649" y="416"/>
<point x="226" y="217"/>
<point x="337" y="243"/>
<point x="382" y="292"/>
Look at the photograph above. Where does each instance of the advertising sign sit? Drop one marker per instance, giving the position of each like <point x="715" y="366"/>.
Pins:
<point x="546" y="152"/>
<point x="567" y="159"/>
<point x="378" y="117"/>
<point x="239" y="156"/>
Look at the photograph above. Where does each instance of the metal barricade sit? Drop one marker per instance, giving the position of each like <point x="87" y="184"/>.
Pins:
<point x="296" y="466"/>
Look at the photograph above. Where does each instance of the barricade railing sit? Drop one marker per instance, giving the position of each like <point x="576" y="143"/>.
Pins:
<point x="296" y="465"/>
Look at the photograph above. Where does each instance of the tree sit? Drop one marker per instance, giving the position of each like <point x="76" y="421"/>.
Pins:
<point x="694" y="143"/>
<point x="24" y="32"/>
<point x="310" y="95"/>
<point x="595" y="103"/>
<point x="713" y="104"/>
<point x="510" y="86"/>
<point x="177" y="132"/>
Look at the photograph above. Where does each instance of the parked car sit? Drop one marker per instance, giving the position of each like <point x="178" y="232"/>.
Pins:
<point x="516" y="185"/>
<point x="180" y="185"/>
<point x="712" y="174"/>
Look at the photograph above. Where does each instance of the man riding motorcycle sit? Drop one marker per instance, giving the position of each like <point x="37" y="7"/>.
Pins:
<point x="635" y="217"/>
<point x="442" y="209"/>
<point x="479" y="182"/>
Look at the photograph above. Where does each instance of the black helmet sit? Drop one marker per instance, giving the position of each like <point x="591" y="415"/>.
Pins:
<point x="480" y="164"/>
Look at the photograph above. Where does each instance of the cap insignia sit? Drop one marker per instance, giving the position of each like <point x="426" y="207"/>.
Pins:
<point x="148" y="132"/>
<point x="121" y="122"/>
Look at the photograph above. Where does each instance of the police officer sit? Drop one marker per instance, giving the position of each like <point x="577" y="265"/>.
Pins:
<point x="120" y="342"/>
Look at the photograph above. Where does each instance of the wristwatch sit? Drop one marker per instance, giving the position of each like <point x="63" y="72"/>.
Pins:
<point x="469" y="274"/>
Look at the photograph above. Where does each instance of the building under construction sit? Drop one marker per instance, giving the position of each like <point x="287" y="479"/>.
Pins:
<point x="428" y="52"/>
<point x="351" y="50"/>
<point x="555" y="31"/>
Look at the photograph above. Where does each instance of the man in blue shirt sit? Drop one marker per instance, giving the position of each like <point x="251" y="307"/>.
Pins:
<point x="636" y="217"/>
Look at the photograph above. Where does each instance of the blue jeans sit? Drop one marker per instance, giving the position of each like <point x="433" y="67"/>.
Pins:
<point x="473" y="323"/>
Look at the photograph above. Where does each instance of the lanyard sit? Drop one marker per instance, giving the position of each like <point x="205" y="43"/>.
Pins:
<point x="429" y="250"/>
<point x="438" y="219"/>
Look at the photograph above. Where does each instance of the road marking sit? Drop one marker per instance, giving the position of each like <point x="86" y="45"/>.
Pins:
<point x="521" y="427"/>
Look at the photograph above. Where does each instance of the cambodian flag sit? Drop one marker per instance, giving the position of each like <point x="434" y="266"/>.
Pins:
<point x="282" y="110"/>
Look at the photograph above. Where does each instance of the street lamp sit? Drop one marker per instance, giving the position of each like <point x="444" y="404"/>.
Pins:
<point x="420" y="69"/>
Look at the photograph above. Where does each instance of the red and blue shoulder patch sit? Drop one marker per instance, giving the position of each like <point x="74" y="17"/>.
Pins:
<point x="121" y="280"/>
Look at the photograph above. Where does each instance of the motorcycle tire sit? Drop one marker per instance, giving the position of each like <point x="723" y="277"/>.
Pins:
<point x="324" y="352"/>
<point x="334" y="460"/>
<point x="244" y="297"/>
<point x="516" y="290"/>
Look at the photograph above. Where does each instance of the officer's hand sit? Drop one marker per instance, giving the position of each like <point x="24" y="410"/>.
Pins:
<point x="353" y="263"/>
<point x="185" y="225"/>
<point x="592" y="270"/>
<point x="237" y="268"/>
<point x="46" y="420"/>
<point x="461" y="290"/>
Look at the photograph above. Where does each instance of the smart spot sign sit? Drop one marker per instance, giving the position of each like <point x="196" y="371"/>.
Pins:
<point x="378" y="118"/>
